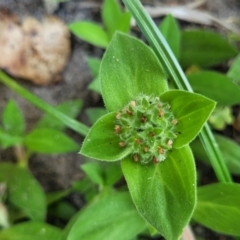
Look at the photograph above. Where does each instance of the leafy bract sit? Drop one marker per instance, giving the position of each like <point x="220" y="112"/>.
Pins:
<point x="70" y="108"/>
<point x="31" y="230"/>
<point x="218" y="207"/>
<point x="191" y="111"/>
<point x="44" y="140"/>
<point x="24" y="190"/>
<point x="204" y="48"/>
<point x="171" y="33"/>
<point x="164" y="193"/>
<point x="90" y="32"/>
<point x="216" y="86"/>
<point x="110" y="217"/>
<point x="128" y="68"/>
<point x="101" y="142"/>
<point x="12" y="119"/>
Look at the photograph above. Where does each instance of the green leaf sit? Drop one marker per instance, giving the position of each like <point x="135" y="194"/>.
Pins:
<point x="204" y="48"/>
<point x="44" y="140"/>
<point x="94" y="65"/>
<point x="90" y="32"/>
<point x="216" y="86"/>
<point x="191" y="111"/>
<point x="12" y="119"/>
<point x="101" y="143"/>
<point x="94" y="172"/>
<point x="8" y="140"/>
<point x="218" y="207"/>
<point x="26" y="231"/>
<point x="128" y="68"/>
<point x="24" y="190"/>
<point x="70" y="108"/>
<point x="111" y="12"/>
<point x="234" y="71"/>
<point x="229" y="148"/>
<point x="170" y="30"/>
<point x="124" y="23"/>
<point x="112" y="173"/>
<point x="95" y="113"/>
<point x="108" y="218"/>
<point x="95" y="85"/>
<point x="63" y="210"/>
<point x="56" y="196"/>
<point x="164" y="193"/>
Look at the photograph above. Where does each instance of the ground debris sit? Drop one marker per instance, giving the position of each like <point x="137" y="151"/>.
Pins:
<point x="33" y="50"/>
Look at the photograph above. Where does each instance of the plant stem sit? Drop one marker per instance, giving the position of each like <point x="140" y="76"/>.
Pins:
<point x="171" y="65"/>
<point x="71" y="123"/>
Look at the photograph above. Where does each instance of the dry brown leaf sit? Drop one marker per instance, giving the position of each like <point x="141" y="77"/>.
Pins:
<point x="33" y="50"/>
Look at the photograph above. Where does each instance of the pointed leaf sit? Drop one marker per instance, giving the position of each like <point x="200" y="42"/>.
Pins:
<point x="44" y="140"/>
<point x="216" y="86"/>
<point x="110" y="217"/>
<point x="26" y="231"/>
<point x="128" y="68"/>
<point x="8" y="140"/>
<point x="218" y="207"/>
<point x="70" y="108"/>
<point x="124" y="23"/>
<point x="24" y="190"/>
<point x="164" y="193"/>
<point x="90" y="32"/>
<point x="204" y="48"/>
<point x="171" y="33"/>
<point x="12" y="119"/>
<point x="111" y="12"/>
<point x="101" y="143"/>
<point x="191" y="111"/>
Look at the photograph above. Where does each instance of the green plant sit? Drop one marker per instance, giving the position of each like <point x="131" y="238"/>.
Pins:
<point x="114" y="19"/>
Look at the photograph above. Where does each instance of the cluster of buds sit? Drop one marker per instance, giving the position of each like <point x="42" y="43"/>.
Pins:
<point x="147" y="126"/>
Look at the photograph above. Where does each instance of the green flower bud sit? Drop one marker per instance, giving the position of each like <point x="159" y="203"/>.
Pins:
<point x="148" y="127"/>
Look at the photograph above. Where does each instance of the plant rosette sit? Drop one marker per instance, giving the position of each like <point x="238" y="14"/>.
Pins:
<point x="148" y="128"/>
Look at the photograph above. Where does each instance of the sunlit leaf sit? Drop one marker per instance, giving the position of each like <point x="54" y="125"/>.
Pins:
<point x="191" y="111"/>
<point x="110" y="217"/>
<point x="164" y="193"/>
<point x="171" y="32"/>
<point x="128" y="68"/>
<point x="101" y="143"/>
<point x="90" y="32"/>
